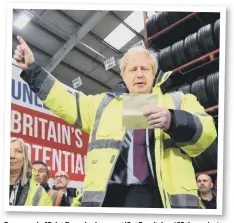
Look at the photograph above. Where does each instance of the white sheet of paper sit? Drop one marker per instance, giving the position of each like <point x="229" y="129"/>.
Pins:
<point x="134" y="105"/>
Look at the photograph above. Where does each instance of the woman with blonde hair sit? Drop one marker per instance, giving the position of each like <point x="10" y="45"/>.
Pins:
<point x="24" y="190"/>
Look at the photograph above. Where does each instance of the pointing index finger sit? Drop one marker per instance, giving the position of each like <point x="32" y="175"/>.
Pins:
<point x="21" y="40"/>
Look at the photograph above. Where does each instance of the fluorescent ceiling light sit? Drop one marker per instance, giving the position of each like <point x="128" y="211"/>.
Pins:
<point x="136" y="21"/>
<point x="22" y="21"/>
<point x="93" y="50"/>
<point x="119" y="36"/>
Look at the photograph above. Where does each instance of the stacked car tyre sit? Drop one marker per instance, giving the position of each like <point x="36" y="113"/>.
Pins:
<point x="165" y="59"/>
<point x="206" y="39"/>
<point x="212" y="85"/>
<point x="161" y="20"/>
<point x="198" y="89"/>
<point x="191" y="47"/>
<point x="178" y="54"/>
<point x="217" y="32"/>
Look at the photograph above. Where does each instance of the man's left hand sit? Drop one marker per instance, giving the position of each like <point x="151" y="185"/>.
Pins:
<point x="159" y="117"/>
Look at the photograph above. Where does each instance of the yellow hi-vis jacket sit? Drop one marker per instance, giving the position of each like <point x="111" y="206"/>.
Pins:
<point x="101" y="116"/>
<point x="35" y="194"/>
<point x="76" y="202"/>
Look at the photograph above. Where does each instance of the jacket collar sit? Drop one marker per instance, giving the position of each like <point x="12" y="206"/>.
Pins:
<point x="117" y="95"/>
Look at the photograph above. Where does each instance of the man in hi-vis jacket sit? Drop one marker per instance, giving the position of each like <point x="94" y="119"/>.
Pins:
<point x="130" y="168"/>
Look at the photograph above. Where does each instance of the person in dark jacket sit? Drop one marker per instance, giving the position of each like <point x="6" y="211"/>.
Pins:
<point x="207" y="195"/>
<point x="61" y="180"/>
<point x="42" y="177"/>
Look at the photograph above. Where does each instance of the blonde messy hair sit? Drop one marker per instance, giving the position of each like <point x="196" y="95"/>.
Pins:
<point x="26" y="171"/>
<point x="123" y="60"/>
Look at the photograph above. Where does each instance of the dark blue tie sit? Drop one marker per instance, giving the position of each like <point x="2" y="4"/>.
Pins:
<point x="140" y="166"/>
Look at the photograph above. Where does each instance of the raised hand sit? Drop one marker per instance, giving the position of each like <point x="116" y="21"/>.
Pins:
<point x="23" y="54"/>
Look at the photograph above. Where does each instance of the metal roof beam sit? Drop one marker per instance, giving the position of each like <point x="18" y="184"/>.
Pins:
<point x="82" y="31"/>
<point x="85" y="75"/>
<point x="91" y="33"/>
<point x="48" y="26"/>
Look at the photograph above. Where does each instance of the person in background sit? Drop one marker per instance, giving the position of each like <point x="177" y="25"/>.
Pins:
<point x="144" y="168"/>
<point x="207" y="195"/>
<point x="42" y="177"/>
<point x="61" y="181"/>
<point x="24" y="190"/>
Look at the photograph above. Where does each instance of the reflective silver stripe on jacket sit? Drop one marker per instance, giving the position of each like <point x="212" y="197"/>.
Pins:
<point x="54" y="197"/>
<point x="177" y="99"/>
<point x="201" y="113"/>
<point x="184" y="201"/>
<point x="46" y="87"/>
<point x="37" y="196"/>
<point x="93" y="196"/>
<point x="78" y="121"/>
<point x="105" y="101"/>
<point x="197" y="135"/>
<point x="104" y="143"/>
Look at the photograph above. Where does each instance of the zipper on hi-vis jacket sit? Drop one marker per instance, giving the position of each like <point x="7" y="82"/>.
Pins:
<point x="164" y="193"/>
<point x="165" y="200"/>
<point x="160" y="171"/>
<point x="160" y="103"/>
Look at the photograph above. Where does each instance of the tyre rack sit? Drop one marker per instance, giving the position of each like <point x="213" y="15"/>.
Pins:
<point x="210" y="56"/>
<point x="162" y="32"/>
<point x="211" y="109"/>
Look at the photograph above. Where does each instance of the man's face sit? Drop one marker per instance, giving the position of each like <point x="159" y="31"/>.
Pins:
<point x="204" y="183"/>
<point x="41" y="176"/>
<point x="61" y="179"/>
<point x="138" y="74"/>
<point x="16" y="156"/>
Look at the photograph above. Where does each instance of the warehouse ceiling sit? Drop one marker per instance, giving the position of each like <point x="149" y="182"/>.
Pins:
<point x="75" y="43"/>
